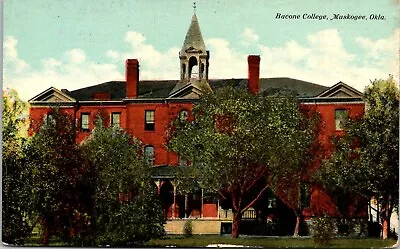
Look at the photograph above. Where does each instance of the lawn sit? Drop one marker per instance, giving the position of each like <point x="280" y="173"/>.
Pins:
<point x="267" y="242"/>
<point x="204" y="240"/>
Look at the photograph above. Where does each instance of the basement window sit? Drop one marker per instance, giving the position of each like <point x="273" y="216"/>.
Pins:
<point x="85" y="122"/>
<point x="149" y="122"/>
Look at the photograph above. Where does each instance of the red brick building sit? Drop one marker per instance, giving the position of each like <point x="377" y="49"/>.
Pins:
<point x="145" y="109"/>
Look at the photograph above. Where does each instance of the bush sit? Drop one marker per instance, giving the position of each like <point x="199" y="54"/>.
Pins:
<point x="188" y="229"/>
<point x="323" y="230"/>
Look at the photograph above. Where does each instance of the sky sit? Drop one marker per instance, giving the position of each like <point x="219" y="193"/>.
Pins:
<point x="70" y="44"/>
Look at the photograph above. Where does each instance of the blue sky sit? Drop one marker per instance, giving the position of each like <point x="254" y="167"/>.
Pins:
<point x="77" y="43"/>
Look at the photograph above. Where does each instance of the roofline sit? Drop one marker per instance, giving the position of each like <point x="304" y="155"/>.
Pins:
<point x="48" y="90"/>
<point x="331" y="100"/>
<point x="46" y="103"/>
<point x="158" y="100"/>
<point x="337" y="84"/>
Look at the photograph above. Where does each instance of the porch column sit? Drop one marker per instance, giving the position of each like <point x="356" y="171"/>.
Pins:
<point x="158" y="183"/>
<point x="218" y="208"/>
<point x="173" y="205"/>
<point x="202" y="195"/>
<point x="186" y="206"/>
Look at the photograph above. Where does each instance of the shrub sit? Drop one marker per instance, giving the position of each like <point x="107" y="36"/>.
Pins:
<point x="323" y="230"/>
<point x="188" y="229"/>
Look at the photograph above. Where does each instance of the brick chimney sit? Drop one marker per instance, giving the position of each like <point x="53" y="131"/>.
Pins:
<point x="132" y="78"/>
<point x="253" y="84"/>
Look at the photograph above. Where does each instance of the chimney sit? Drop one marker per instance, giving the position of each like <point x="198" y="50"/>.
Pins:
<point x="253" y="84"/>
<point x="132" y="78"/>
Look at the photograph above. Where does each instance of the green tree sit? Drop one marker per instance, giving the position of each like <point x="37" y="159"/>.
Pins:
<point x="239" y="144"/>
<point x="16" y="207"/>
<point x="294" y="186"/>
<point x="366" y="159"/>
<point x="59" y="190"/>
<point x="127" y="210"/>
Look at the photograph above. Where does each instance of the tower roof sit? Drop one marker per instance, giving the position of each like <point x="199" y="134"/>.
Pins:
<point x="194" y="39"/>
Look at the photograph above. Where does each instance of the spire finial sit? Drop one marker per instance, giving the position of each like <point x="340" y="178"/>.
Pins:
<point x="194" y="7"/>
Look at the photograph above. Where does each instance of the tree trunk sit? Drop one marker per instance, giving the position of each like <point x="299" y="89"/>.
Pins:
<point x="45" y="235"/>
<point x="237" y="218"/>
<point x="297" y="227"/>
<point x="386" y="221"/>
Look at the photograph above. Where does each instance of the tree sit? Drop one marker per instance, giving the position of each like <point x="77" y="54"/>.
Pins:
<point x="366" y="159"/>
<point x="294" y="187"/>
<point x="16" y="208"/>
<point x="59" y="193"/>
<point x="126" y="206"/>
<point x="239" y="144"/>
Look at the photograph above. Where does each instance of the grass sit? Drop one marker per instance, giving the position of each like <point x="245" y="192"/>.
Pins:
<point x="204" y="240"/>
<point x="267" y="242"/>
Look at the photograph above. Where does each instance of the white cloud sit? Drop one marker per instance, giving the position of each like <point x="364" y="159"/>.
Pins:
<point x="113" y="55"/>
<point x="375" y="48"/>
<point x="154" y="64"/>
<point x="321" y="59"/>
<point x="75" y="56"/>
<point x="225" y="62"/>
<point x="72" y="71"/>
<point x="249" y="36"/>
<point x="11" y="58"/>
<point x="324" y="60"/>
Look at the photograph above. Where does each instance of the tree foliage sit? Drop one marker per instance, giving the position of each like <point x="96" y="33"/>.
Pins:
<point x="59" y="190"/>
<point x="239" y="144"/>
<point x="126" y="206"/>
<point x="366" y="158"/>
<point x="16" y="208"/>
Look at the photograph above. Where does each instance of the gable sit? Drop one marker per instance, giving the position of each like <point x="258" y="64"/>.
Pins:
<point x="52" y="95"/>
<point x="188" y="92"/>
<point x="340" y="90"/>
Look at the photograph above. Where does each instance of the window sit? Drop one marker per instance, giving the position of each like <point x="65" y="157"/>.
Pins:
<point x="116" y="119"/>
<point x="149" y="121"/>
<point x="84" y="122"/>
<point x="183" y="115"/>
<point x="271" y="202"/>
<point x="340" y="118"/>
<point x="182" y="161"/>
<point x="305" y="194"/>
<point x="48" y="119"/>
<point x="193" y="69"/>
<point x="149" y="154"/>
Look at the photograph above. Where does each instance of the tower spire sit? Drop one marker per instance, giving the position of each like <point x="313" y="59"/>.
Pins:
<point x="194" y="59"/>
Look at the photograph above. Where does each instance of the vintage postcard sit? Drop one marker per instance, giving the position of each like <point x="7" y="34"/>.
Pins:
<point x="269" y="123"/>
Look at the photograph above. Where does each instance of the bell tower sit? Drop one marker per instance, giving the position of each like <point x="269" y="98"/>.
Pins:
<point x="194" y="55"/>
<point x="194" y="65"/>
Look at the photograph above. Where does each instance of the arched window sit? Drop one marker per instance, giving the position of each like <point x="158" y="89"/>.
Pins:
<point x="202" y="70"/>
<point x="149" y="154"/>
<point x="193" y="68"/>
<point x="183" y="115"/>
<point x="183" y="69"/>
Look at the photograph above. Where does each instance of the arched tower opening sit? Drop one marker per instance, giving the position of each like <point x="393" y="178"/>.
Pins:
<point x="193" y="68"/>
